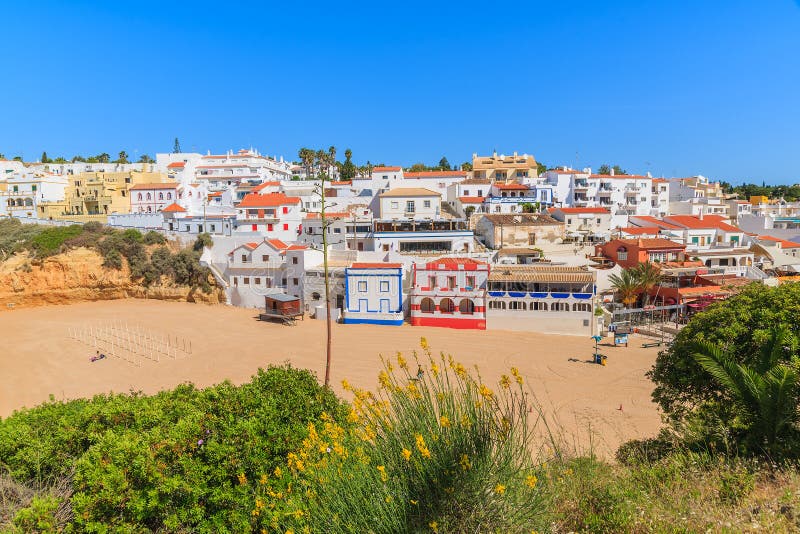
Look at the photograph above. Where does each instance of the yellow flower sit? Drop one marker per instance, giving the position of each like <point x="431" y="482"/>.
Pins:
<point x="346" y="385"/>
<point x="263" y="480"/>
<point x="406" y="454"/>
<point x="500" y="489"/>
<point x="505" y="381"/>
<point x="422" y="447"/>
<point x="460" y="371"/>
<point x="383" y="378"/>
<point x="515" y="372"/>
<point x="278" y="472"/>
<point x="255" y="512"/>
<point x="434" y="526"/>
<point x="444" y="421"/>
<point x="352" y="417"/>
<point x="388" y="498"/>
<point x="486" y="392"/>
<point x="242" y="479"/>
<point x="259" y="504"/>
<point x="290" y="532"/>
<point x="382" y="470"/>
<point x="435" y="369"/>
<point x="531" y="481"/>
<point x="414" y="502"/>
<point x="401" y="361"/>
<point x="465" y="463"/>
<point x="423" y="343"/>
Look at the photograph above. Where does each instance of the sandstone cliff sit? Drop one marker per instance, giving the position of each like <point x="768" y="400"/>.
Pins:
<point x="78" y="275"/>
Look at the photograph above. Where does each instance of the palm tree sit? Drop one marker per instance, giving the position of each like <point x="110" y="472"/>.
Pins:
<point x="649" y="276"/>
<point x="766" y="393"/>
<point x="626" y="285"/>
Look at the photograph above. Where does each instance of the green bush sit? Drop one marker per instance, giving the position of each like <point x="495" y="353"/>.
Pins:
<point x="132" y="235"/>
<point x="15" y="236"/>
<point x="39" y="516"/>
<point x="93" y="227"/>
<point x="49" y="241"/>
<point x="112" y="259"/>
<point x="203" y="240"/>
<point x="182" y="460"/>
<point x="153" y="238"/>
<point x="436" y="452"/>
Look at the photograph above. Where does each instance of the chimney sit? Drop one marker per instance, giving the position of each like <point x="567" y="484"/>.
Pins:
<point x="612" y="171"/>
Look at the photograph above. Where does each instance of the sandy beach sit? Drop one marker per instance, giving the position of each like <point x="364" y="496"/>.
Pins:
<point x="40" y="358"/>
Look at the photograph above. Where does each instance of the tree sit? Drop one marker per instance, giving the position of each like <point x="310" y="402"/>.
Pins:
<point x="2" y="156"/>
<point x="626" y="286"/>
<point x="78" y="158"/>
<point x="740" y="325"/>
<point x="348" y="170"/>
<point x="60" y="159"/>
<point x="45" y="159"/>
<point x="466" y="166"/>
<point x="146" y="159"/>
<point x="444" y="164"/>
<point x="765" y="393"/>
<point x="17" y="158"/>
<point x="605" y="169"/>
<point x="306" y="156"/>
<point x="648" y="275"/>
<point x="469" y="210"/>
<point x="418" y="167"/>
<point x="541" y="168"/>
<point x="123" y="157"/>
<point x="176" y="147"/>
<point x="103" y="158"/>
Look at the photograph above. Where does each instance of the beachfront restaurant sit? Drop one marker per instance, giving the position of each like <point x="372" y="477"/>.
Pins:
<point x="548" y="299"/>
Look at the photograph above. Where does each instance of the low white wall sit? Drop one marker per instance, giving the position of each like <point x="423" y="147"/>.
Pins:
<point x="546" y="322"/>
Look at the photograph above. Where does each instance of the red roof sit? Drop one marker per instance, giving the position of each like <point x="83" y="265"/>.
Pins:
<point x="433" y="174"/>
<point x="376" y="266"/>
<point x="471" y="200"/>
<point x="262" y="185"/>
<point x="636" y="230"/>
<point x="254" y="200"/>
<point x="512" y="187"/>
<point x="386" y="169"/>
<point x="297" y="247"/>
<point x="251" y="245"/>
<point x="454" y="262"/>
<point x="173" y="208"/>
<point x="153" y="186"/>
<point x="658" y="223"/>
<point x="651" y="244"/>
<point x="582" y="210"/>
<point x="328" y="215"/>
<point x="176" y="165"/>
<point x="784" y="243"/>
<point x="707" y="222"/>
<point x="215" y="194"/>
<point x="277" y="243"/>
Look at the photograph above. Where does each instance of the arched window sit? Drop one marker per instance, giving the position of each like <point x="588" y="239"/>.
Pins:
<point x="427" y="305"/>
<point x="139" y="196"/>
<point x="466" y="306"/>
<point x="161" y="196"/>
<point x="169" y="195"/>
<point x="447" y="306"/>
<point x="315" y="296"/>
<point x="149" y="209"/>
<point x="149" y="197"/>
<point x="28" y="202"/>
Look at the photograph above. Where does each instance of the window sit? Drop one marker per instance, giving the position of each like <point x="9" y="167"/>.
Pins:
<point x="362" y="286"/>
<point x="213" y="227"/>
<point x="337" y="230"/>
<point x="466" y="192"/>
<point x="516" y="305"/>
<point x="447" y="306"/>
<point x="138" y="197"/>
<point x="244" y="258"/>
<point x="470" y="282"/>
<point x="410" y="206"/>
<point x="246" y="280"/>
<point x="427" y="305"/>
<point x="169" y="196"/>
<point x="269" y="227"/>
<point x="257" y="281"/>
<point x="480" y="192"/>
<point x="161" y="196"/>
<point x="294" y="260"/>
<point x="451" y="282"/>
<point x="598" y="221"/>
<point x="538" y="306"/>
<point x="265" y="257"/>
<point x="315" y="296"/>
<point x="531" y="239"/>
<point x="395" y="205"/>
<point x="432" y="281"/>
<point x="285" y="226"/>
<point x="384" y="286"/>
<point x="285" y="210"/>
<point x="569" y="221"/>
<point x="148" y="196"/>
<point x="33" y="188"/>
<point x="295" y="281"/>
<point x="427" y="203"/>
<point x="622" y="253"/>
<point x="235" y="281"/>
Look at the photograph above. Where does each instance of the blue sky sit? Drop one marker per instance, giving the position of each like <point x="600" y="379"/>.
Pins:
<point x="673" y="87"/>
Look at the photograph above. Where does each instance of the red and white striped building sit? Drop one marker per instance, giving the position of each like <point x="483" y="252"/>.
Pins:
<point x="449" y="292"/>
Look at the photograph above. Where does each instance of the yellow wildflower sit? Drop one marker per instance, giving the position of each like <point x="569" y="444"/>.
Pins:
<point x="278" y="472"/>
<point x="406" y="454"/>
<point x="515" y="372"/>
<point x="505" y="381"/>
<point x="434" y="526"/>
<point x="346" y="385"/>
<point x="242" y="479"/>
<point x="401" y="361"/>
<point x="414" y="502"/>
<point x="423" y="343"/>
<point x="352" y="417"/>
<point x="388" y="498"/>
<point x="422" y="447"/>
<point x="465" y="463"/>
<point x="500" y="489"/>
<point x="531" y="481"/>
<point x="383" y="378"/>
<point x="263" y="480"/>
<point x="255" y="512"/>
<point x="486" y="392"/>
<point x="259" y="504"/>
<point x="435" y="369"/>
<point x="382" y="470"/>
<point x="444" y="421"/>
<point x="460" y="370"/>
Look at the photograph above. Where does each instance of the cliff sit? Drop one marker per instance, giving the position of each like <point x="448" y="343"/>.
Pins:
<point x="78" y="275"/>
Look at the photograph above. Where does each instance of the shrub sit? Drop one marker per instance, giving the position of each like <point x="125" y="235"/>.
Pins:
<point x="49" y="241"/>
<point x="93" y="227"/>
<point x="203" y="240"/>
<point x="153" y="238"/>
<point x="39" y="516"/>
<point x="183" y="460"/>
<point x="112" y="260"/>
<point x="439" y="450"/>
<point x="132" y="235"/>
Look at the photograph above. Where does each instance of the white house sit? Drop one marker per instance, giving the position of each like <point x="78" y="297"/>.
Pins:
<point x="273" y="214"/>
<point x="589" y="224"/>
<point x="24" y="192"/>
<point x="410" y="203"/>
<point x="152" y="198"/>
<point x="374" y="294"/>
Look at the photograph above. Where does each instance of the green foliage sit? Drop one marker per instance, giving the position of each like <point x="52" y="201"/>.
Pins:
<point x="112" y="259"/>
<point x="740" y="326"/>
<point x="745" y="191"/>
<point x="435" y="450"/>
<point x="203" y="240"/>
<point x="466" y="166"/>
<point x="50" y="240"/>
<point x="39" y="516"/>
<point x="182" y="460"/>
<point x="15" y="236"/>
<point x="606" y="169"/>
<point x="153" y="238"/>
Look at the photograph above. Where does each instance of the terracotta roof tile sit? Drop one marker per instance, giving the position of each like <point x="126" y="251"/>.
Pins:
<point x="173" y="208"/>
<point x="254" y="200"/>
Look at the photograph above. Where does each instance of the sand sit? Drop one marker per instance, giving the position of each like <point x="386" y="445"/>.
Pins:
<point x="581" y="399"/>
